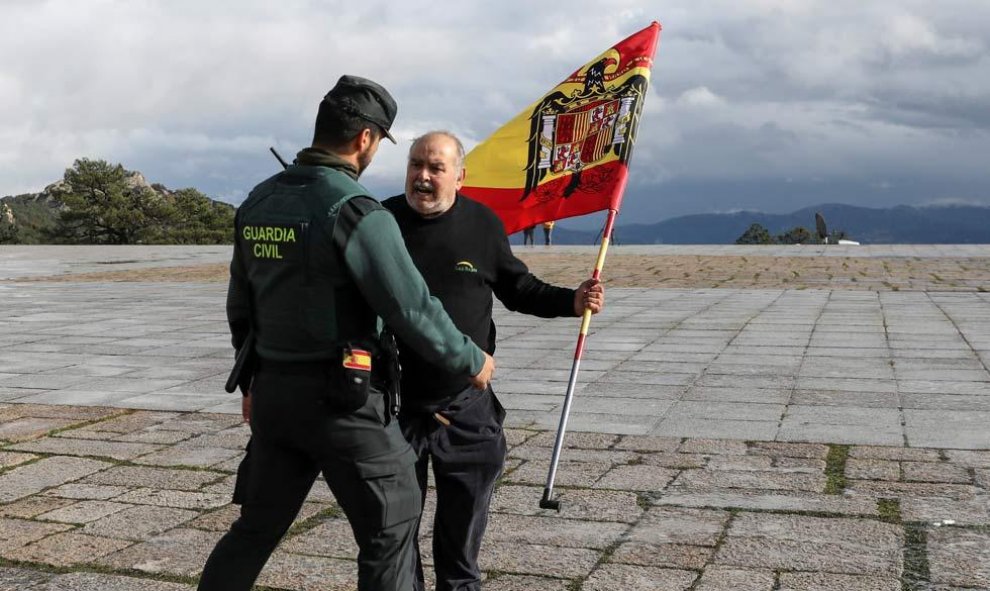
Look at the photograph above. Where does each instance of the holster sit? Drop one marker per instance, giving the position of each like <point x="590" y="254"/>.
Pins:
<point x="244" y="366"/>
<point x="390" y="373"/>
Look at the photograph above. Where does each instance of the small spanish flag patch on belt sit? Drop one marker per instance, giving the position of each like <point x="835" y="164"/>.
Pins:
<point x="357" y="359"/>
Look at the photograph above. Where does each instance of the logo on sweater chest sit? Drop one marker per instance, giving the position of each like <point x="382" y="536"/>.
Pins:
<point x="465" y="267"/>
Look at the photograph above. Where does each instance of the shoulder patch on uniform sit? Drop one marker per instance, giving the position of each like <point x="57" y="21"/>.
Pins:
<point x="364" y="204"/>
<point x="350" y="215"/>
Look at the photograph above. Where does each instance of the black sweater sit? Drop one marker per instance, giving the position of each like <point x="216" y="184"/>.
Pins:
<point x="464" y="255"/>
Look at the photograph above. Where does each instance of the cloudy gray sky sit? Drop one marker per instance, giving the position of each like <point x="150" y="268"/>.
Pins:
<point x="755" y="104"/>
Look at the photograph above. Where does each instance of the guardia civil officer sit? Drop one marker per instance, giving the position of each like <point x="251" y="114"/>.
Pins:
<point x="317" y="261"/>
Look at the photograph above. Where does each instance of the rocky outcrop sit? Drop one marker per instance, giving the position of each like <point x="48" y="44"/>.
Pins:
<point x="33" y="213"/>
<point x="49" y="197"/>
<point x="6" y="214"/>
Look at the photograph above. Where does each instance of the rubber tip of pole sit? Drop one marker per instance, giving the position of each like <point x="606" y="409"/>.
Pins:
<point x="547" y="503"/>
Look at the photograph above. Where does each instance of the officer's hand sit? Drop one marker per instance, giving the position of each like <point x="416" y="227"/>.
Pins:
<point x="246" y="407"/>
<point x="484" y="377"/>
<point x="590" y="294"/>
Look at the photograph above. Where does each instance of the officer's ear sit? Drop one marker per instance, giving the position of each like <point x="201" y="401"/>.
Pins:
<point x="460" y="178"/>
<point x="365" y="139"/>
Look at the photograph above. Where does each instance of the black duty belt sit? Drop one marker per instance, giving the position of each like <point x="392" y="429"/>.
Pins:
<point x="317" y="366"/>
<point x="378" y="373"/>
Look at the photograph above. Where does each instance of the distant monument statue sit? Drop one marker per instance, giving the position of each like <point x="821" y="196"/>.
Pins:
<point x="823" y="233"/>
<point x="820" y="226"/>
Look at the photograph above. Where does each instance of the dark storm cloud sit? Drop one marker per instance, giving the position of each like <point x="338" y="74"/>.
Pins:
<point x="759" y="104"/>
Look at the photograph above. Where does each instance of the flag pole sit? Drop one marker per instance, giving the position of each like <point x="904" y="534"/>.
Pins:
<point x="548" y="502"/>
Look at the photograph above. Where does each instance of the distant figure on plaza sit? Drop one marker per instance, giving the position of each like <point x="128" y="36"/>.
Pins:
<point x="611" y="236"/>
<point x="528" y="236"/>
<point x="547" y="229"/>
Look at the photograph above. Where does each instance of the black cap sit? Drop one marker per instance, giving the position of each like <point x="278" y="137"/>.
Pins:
<point x="365" y="99"/>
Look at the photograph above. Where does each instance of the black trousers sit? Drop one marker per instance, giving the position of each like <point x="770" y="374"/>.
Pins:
<point x="468" y="455"/>
<point x="368" y="466"/>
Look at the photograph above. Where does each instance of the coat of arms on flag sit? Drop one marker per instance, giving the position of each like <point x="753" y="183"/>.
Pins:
<point x="576" y="138"/>
<point x="567" y="154"/>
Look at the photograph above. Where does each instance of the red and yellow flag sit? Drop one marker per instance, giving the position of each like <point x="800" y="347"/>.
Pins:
<point x="357" y="359"/>
<point x="568" y="153"/>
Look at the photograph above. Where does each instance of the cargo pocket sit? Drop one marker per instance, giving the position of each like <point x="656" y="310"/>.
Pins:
<point x="243" y="475"/>
<point x="499" y="410"/>
<point x="394" y="492"/>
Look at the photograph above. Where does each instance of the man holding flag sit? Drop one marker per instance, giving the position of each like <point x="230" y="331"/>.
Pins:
<point x="462" y="250"/>
<point x="565" y="155"/>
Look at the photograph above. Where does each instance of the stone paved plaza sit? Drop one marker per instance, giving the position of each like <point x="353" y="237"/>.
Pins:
<point x="721" y="439"/>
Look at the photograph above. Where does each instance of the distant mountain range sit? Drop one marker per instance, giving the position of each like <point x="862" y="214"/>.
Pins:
<point x="935" y="224"/>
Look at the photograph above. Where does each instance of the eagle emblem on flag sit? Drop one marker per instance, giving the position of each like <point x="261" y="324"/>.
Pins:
<point x="570" y="134"/>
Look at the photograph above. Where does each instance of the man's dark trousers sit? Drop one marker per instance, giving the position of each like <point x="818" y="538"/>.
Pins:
<point x="369" y="468"/>
<point x="468" y="455"/>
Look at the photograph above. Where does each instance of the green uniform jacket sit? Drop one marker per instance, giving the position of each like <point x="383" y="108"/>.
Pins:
<point x="306" y="288"/>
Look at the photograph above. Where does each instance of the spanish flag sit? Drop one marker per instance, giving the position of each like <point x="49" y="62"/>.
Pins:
<point x="357" y="359"/>
<point x="568" y="153"/>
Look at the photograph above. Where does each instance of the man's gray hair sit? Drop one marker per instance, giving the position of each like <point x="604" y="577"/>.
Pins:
<point x="444" y="133"/>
